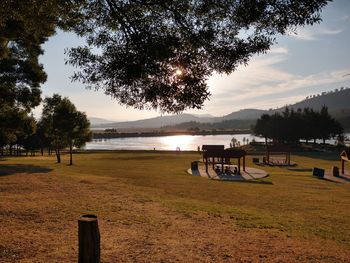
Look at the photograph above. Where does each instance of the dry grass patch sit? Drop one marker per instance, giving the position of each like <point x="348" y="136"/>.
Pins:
<point x="149" y="209"/>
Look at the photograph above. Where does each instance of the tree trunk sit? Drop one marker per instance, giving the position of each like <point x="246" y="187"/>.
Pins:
<point x="70" y="153"/>
<point x="58" y="155"/>
<point x="42" y="151"/>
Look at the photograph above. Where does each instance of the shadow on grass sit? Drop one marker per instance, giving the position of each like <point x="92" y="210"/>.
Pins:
<point x="9" y="169"/>
<point x="245" y="181"/>
<point x="331" y="156"/>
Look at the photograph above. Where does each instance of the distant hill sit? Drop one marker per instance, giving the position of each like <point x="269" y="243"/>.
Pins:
<point x="246" y="114"/>
<point x="98" y="121"/>
<point x="222" y="125"/>
<point x="157" y="121"/>
<point x="203" y="115"/>
<point x="337" y="101"/>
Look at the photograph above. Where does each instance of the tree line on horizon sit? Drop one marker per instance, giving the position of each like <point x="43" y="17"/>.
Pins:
<point x="291" y="126"/>
<point x="61" y="126"/>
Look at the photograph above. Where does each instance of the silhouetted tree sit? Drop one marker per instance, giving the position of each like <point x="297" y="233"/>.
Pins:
<point x="291" y="126"/>
<point x="73" y="125"/>
<point x="263" y="127"/>
<point x="64" y="126"/>
<point x="149" y="53"/>
<point x="158" y="54"/>
<point x="15" y="126"/>
<point x="25" y="133"/>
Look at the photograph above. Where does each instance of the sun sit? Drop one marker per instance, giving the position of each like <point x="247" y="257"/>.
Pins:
<point x="178" y="72"/>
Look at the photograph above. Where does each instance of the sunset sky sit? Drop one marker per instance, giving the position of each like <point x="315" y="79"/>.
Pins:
<point x="314" y="60"/>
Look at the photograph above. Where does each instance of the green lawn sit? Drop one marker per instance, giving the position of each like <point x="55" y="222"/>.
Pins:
<point x="149" y="209"/>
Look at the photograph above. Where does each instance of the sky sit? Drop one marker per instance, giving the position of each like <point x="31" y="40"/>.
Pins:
<point x="309" y="62"/>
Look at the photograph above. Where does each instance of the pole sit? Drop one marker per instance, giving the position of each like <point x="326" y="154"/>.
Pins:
<point x="89" y="239"/>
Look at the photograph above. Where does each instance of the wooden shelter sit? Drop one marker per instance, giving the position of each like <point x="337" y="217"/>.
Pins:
<point x="224" y="156"/>
<point x="207" y="147"/>
<point x="278" y="149"/>
<point x="345" y="157"/>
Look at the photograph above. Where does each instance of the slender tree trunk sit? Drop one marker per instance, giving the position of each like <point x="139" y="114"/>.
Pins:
<point x="58" y="155"/>
<point x="42" y="151"/>
<point x="10" y="149"/>
<point x="71" y="153"/>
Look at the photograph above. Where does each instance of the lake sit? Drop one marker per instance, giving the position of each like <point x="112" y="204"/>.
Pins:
<point x="185" y="142"/>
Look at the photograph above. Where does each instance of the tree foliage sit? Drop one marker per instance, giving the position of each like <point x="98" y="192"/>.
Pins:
<point x="24" y="27"/>
<point x="146" y="54"/>
<point x="63" y="125"/>
<point x="16" y="126"/>
<point x="292" y="126"/>
<point x="159" y="54"/>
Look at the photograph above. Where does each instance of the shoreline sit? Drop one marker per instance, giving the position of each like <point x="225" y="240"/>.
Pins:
<point x="110" y="135"/>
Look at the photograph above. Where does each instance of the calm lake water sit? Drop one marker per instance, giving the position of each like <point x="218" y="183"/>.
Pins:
<point x="185" y="142"/>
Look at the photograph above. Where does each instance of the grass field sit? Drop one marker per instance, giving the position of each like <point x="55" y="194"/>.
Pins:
<point x="150" y="210"/>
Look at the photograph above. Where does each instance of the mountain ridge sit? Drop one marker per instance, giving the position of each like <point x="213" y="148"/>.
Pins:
<point x="336" y="101"/>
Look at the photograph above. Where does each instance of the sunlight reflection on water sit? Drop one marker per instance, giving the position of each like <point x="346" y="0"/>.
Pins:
<point x="185" y="142"/>
<point x="181" y="141"/>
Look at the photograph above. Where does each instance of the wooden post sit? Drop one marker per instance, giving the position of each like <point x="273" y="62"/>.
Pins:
<point x="286" y="161"/>
<point x="335" y="171"/>
<point x="206" y="164"/>
<point x="267" y="157"/>
<point x="239" y="165"/>
<point x="243" y="163"/>
<point x="89" y="239"/>
<point x="289" y="158"/>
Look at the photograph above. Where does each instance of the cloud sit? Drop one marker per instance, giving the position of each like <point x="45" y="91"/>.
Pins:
<point x="315" y="33"/>
<point x="279" y="50"/>
<point x="261" y="70"/>
<point x="264" y="85"/>
<point x="344" y="18"/>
